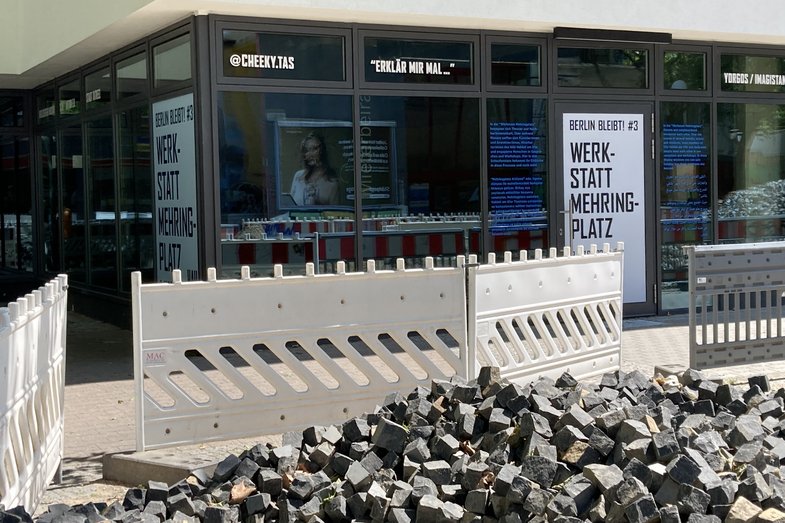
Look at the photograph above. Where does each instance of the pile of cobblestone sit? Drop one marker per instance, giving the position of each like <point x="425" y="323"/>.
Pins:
<point x="629" y="448"/>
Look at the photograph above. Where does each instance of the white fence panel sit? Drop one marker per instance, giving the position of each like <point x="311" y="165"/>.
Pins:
<point x="543" y="317"/>
<point x="32" y="359"/>
<point x="232" y="358"/>
<point x="737" y="305"/>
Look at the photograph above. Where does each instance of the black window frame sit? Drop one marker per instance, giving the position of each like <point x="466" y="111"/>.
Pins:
<point x="765" y="52"/>
<point x="660" y="89"/>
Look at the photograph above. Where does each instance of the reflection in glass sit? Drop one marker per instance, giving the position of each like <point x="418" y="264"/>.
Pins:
<point x="517" y="174"/>
<point x="98" y="88"/>
<point x="614" y="68"/>
<point x="136" y="206"/>
<point x="684" y="71"/>
<point x="752" y="74"/>
<point x="286" y="168"/>
<point x="49" y="202"/>
<point x="12" y="111"/>
<point x="16" y="204"/>
<point x="70" y="97"/>
<point x="685" y="192"/>
<point x="132" y="76"/>
<point x="101" y="213"/>
<point x="73" y="204"/>
<point x="172" y="61"/>
<point x="515" y="64"/>
<point x="751" y="172"/>
<point x="420" y="174"/>
<point x="45" y="105"/>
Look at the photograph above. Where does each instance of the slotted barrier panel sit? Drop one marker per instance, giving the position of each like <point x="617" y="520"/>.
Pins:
<point x="545" y="316"/>
<point x="232" y="358"/>
<point x="32" y="358"/>
<point x="736" y="303"/>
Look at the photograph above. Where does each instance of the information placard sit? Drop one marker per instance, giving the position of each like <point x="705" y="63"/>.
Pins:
<point x="604" y="188"/>
<point x="176" y="219"/>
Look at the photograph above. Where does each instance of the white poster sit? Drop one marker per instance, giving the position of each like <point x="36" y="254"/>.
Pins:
<point x="604" y="189"/>
<point x="176" y="230"/>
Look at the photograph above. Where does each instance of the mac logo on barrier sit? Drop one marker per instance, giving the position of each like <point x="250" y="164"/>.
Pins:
<point x="157" y="357"/>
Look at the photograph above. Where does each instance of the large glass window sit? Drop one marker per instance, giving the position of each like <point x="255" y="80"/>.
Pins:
<point x="420" y="174"/>
<point x="286" y="168"/>
<point x="172" y="62"/>
<point x="394" y="60"/>
<point x="517" y="174"/>
<point x="616" y="68"/>
<point x="285" y="56"/>
<point x="74" y="222"/>
<point x="685" y="192"/>
<point x="16" y="205"/>
<point x="136" y="205"/>
<point x="751" y="172"/>
<point x="101" y="212"/>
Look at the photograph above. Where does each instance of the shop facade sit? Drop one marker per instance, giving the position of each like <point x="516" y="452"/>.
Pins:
<point x="225" y="141"/>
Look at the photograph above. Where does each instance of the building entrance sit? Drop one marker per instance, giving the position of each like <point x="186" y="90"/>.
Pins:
<point x="606" y="188"/>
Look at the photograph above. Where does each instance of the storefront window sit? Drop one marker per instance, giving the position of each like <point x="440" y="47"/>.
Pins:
<point x="132" y="76"/>
<point x="515" y="65"/>
<point x="752" y="74"/>
<point x="49" y="202"/>
<point x="286" y="168"/>
<point x="16" y="205"/>
<point x="102" y="216"/>
<point x="98" y="89"/>
<point x="393" y="60"/>
<point x="172" y="62"/>
<point x="610" y="68"/>
<point x="283" y="56"/>
<point x="136" y="205"/>
<point x="74" y="223"/>
<point x="70" y="96"/>
<point x="517" y="174"/>
<point x="45" y="105"/>
<point x="420" y="174"/>
<point x="685" y="192"/>
<point x="11" y="112"/>
<point x="684" y="71"/>
<point x="751" y="172"/>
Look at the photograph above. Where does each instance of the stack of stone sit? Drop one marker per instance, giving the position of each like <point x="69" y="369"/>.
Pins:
<point x="629" y="448"/>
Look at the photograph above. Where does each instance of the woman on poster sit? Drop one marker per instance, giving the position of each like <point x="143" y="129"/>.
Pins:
<point x="316" y="183"/>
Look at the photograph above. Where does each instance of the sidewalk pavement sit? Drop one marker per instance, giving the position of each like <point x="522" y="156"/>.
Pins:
<point x="100" y="409"/>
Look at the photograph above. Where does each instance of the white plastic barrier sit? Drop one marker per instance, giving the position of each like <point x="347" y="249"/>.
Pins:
<point x="737" y="304"/>
<point x="543" y="317"/>
<point x="232" y="358"/>
<point x="32" y="359"/>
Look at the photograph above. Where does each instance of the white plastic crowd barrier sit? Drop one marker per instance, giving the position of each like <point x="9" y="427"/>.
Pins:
<point x="737" y="314"/>
<point x="546" y="316"/>
<point x="233" y="358"/>
<point x="32" y="358"/>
